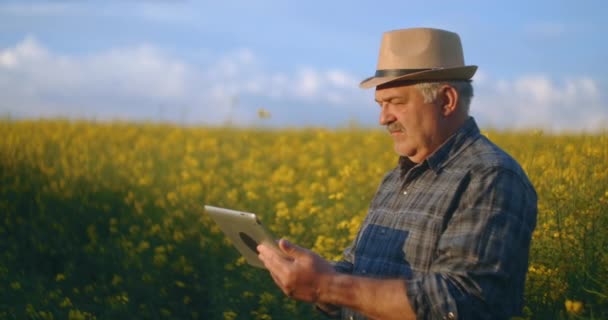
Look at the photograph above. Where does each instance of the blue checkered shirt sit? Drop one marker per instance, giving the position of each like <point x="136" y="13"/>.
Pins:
<point x="456" y="227"/>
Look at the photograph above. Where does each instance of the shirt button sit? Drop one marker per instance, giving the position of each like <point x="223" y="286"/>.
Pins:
<point x="405" y="192"/>
<point x="351" y="318"/>
<point x="450" y="316"/>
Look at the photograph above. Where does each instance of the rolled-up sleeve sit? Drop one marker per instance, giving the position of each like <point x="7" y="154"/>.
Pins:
<point x="482" y="255"/>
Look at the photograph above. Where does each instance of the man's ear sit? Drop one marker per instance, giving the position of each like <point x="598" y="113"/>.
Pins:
<point x="449" y="100"/>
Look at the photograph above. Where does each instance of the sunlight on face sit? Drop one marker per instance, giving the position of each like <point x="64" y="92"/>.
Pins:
<point x="413" y="123"/>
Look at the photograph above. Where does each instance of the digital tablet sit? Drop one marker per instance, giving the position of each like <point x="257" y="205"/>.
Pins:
<point x="245" y="231"/>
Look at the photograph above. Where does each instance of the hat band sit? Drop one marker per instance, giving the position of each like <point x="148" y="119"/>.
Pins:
<point x="397" y="72"/>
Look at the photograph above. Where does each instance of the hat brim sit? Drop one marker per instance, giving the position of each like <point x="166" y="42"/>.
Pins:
<point x="444" y="74"/>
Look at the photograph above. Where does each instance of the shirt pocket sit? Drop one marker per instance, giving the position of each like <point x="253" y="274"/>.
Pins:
<point x="379" y="253"/>
<point x="424" y="232"/>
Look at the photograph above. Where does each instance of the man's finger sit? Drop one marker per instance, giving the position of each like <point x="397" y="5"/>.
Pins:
<point x="262" y="248"/>
<point x="274" y="262"/>
<point x="278" y="266"/>
<point x="290" y="248"/>
<point x="267" y="250"/>
<point x="278" y="274"/>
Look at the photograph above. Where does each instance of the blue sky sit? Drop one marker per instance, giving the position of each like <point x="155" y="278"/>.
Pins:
<point x="542" y="64"/>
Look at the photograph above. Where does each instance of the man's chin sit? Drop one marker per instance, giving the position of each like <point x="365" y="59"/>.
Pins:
<point x="400" y="150"/>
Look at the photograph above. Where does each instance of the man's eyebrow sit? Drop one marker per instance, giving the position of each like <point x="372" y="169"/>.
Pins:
<point x="389" y="98"/>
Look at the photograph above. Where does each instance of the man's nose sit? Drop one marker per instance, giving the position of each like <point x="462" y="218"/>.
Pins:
<point x="386" y="117"/>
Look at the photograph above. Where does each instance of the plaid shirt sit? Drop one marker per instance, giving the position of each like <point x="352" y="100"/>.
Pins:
<point x="456" y="228"/>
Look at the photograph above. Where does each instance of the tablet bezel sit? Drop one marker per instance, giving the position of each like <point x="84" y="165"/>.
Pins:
<point x="241" y="228"/>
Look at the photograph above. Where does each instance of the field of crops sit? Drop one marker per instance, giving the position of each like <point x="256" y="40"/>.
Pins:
<point x="105" y="220"/>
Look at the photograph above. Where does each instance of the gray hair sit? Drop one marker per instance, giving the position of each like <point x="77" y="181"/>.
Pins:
<point x="430" y="90"/>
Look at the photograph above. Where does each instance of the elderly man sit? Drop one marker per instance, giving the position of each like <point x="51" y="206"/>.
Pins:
<point x="448" y="232"/>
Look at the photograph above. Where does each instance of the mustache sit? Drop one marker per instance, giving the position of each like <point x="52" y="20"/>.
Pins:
<point x="395" y="126"/>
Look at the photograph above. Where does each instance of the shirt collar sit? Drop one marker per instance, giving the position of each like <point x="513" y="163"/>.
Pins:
<point x="405" y="164"/>
<point x="462" y="138"/>
<point x="459" y="141"/>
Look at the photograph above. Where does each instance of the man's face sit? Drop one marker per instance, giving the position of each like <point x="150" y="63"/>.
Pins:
<point x="413" y="124"/>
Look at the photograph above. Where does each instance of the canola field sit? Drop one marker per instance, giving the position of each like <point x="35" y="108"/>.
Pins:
<point x="105" y="220"/>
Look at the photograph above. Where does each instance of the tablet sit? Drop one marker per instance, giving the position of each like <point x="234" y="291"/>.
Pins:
<point x="245" y="231"/>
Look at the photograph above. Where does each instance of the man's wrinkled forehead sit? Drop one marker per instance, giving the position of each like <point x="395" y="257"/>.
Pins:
<point x="387" y="93"/>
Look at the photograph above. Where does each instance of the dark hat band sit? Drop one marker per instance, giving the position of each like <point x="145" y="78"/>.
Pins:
<point x="397" y="72"/>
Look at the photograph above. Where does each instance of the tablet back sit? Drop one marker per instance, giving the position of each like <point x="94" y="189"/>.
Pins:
<point x="244" y="230"/>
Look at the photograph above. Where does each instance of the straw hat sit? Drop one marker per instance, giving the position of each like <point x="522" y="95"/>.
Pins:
<point x="419" y="54"/>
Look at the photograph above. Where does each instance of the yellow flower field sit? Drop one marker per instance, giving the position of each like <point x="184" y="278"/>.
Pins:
<point x="105" y="220"/>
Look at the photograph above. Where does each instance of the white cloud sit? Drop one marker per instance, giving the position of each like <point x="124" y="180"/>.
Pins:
<point x="23" y="53"/>
<point x="536" y="88"/>
<point x="137" y="82"/>
<point x="307" y="83"/>
<point x="139" y="71"/>
<point x="144" y="82"/>
<point x="335" y="87"/>
<point x="480" y="77"/>
<point x="276" y="85"/>
<point x="8" y="60"/>
<point x="136" y="71"/>
<point x="538" y="101"/>
<point x="341" y="79"/>
<point x="40" y="83"/>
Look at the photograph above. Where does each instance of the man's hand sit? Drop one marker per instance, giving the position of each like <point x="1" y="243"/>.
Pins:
<point x="300" y="273"/>
<point x="304" y="275"/>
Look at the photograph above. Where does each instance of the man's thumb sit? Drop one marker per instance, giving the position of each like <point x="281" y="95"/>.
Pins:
<point x="288" y="247"/>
